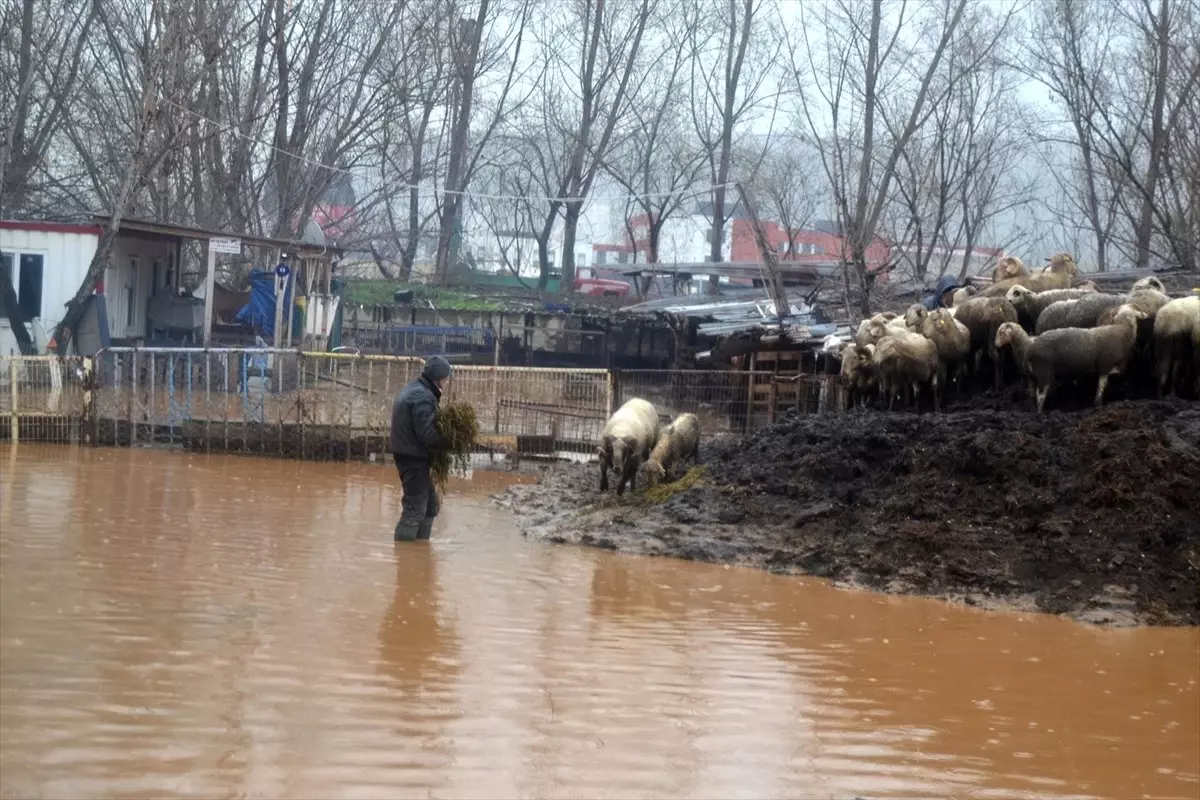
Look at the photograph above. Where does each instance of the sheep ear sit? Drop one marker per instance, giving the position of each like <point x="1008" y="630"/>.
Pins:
<point x="630" y="442"/>
<point x="606" y="443"/>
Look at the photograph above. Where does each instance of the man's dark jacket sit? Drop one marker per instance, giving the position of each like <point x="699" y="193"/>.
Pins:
<point x="413" y="413"/>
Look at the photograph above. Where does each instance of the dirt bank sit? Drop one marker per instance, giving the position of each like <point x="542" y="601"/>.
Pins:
<point x="1093" y="514"/>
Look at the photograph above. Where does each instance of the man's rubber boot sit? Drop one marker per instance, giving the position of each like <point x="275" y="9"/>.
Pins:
<point x="425" y="529"/>
<point x="405" y="533"/>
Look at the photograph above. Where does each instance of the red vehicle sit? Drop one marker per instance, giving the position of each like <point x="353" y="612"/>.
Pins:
<point x="602" y="287"/>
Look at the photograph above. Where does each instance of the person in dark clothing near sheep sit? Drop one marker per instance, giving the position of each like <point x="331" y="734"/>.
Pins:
<point x="413" y="435"/>
<point x="943" y="294"/>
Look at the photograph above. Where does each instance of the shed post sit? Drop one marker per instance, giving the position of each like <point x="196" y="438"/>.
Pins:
<point x="210" y="284"/>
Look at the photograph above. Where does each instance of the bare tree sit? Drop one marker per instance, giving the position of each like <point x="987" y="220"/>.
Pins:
<point x="43" y="43"/>
<point x="658" y="161"/>
<point x="474" y="56"/>
<point x="161" y="56"/>
<point x="872" y="90"/>
<point x="732" y="59"/>
<point x="786" y="188"/>
<point x="1128" y="76"/>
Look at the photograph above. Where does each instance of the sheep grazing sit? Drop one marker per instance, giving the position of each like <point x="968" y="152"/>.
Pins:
<point x="1081" y="313"/>
<point x="1176" y="332"/>
<point x="1068" y="353"/>
<point x="1030" y="304"/>
<point x="904" y="359"/>
<point x="1058" y="275"/>
<point x="982" y="316"/>
<point x="678" y="442"/>
<point x="628" y="437"/>
<point x="858" y="373"/>
<point x="1007" y="268"/>
<point x="952" y="339"/>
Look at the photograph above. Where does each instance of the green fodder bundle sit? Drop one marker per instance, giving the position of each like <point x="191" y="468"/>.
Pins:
<point x="455" y="421"/>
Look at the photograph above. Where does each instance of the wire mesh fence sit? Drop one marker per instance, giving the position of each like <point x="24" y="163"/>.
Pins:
<point x="338" y="405"/>
<point x="733" y="402"/>
<point x="43" y="398"/>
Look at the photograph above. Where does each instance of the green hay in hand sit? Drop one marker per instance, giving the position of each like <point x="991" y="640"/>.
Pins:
<point x="655" y="495"/>
<point x="455" y="421"/>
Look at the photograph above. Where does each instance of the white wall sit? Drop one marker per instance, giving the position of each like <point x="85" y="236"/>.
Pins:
<point x="65" y="259"/>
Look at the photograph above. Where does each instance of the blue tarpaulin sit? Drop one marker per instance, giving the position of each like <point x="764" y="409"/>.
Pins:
<point x="260" y="311"/>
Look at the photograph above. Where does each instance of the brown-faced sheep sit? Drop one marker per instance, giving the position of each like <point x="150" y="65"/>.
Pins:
<point x="1029" y="304"/>
<point x="1060" y="272"/>
<point x="1067" y="353"/>
<point x="1008" y="268"/>
<point x="1176" y="332"/>
<point x="629" y="435"/>
<point x="952" y="339"/>
<point x="858" y="373"/>
<point x="678" y="442"/>
<point x="982" y="316"/>
<point x="904" y="359"/>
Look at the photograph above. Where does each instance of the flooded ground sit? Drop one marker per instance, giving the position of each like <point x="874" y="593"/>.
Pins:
<point x="175" y="625"/>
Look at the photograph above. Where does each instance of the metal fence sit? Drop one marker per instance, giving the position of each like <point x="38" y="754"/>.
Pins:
<point x="728" y="401"/>
<point x="43" y="398"/>
<point x="338" y="405"/>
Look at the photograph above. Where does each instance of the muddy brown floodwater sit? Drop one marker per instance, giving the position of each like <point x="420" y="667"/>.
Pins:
<point x="190" y="626"/>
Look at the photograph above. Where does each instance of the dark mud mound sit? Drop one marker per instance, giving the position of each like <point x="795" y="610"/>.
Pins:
<point x="1094" y="513"/>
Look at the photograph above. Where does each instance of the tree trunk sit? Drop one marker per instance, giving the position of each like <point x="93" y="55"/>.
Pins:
<point x="10" y="307"/>
<point x="570" y="225"/>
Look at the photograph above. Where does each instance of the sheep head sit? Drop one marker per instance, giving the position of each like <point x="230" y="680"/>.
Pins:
<point x="623" y="448"/>
<point x="1008" y="267"/>
<point x="1149" y="282"/>
<point x="1129" y="313"/>
<point x="915" y="315"/>
<point x="1006" y="333"/>
<point x="654" y="472"/>
<point x="962" y="295"/>
<point x="1062" y="262"/>
<point x="1017" y="293"/>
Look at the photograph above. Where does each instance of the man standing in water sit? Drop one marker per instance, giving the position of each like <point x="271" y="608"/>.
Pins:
<point x="413" y="435"/>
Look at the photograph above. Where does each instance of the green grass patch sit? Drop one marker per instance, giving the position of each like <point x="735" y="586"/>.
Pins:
<point x="382" y="292"/>
<point x="657" y="495"/>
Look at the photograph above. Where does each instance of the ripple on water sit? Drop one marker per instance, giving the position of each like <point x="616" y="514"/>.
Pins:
<point x="244" y="628"/>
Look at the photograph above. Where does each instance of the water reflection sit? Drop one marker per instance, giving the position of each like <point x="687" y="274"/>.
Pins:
<point x="418" y="646"/>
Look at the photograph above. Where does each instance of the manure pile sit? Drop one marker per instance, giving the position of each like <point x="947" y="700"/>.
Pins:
<point x="1093" y="513"/>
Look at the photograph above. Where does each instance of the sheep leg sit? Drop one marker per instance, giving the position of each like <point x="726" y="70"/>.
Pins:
<point x="1100" y="386"/>
<point x="1041" y="398"/>
<point x="603" y="475"/>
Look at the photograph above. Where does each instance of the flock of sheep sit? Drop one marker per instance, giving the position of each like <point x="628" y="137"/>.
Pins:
<point x="633" y="440"/>
<point x="1055" y="334"/>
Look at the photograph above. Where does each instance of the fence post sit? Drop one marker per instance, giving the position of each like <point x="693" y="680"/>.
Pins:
<point x="614" y="386"/>
<point x="14" y="420"/>
<point x="89" y="411"/>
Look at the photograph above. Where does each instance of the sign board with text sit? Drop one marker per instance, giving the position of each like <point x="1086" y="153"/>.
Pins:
<point x="233" y="246"/>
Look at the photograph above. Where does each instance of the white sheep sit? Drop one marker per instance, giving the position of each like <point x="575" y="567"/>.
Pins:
<point x="903" y="359"/>
<point x="629" y="435"/>
<point x="1177" y="331"/>
<point x="678" y="442"/>
<point x="1066" y="353"/>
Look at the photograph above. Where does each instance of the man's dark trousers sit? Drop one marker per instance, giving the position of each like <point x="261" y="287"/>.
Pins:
<point x="420" y="502"/>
